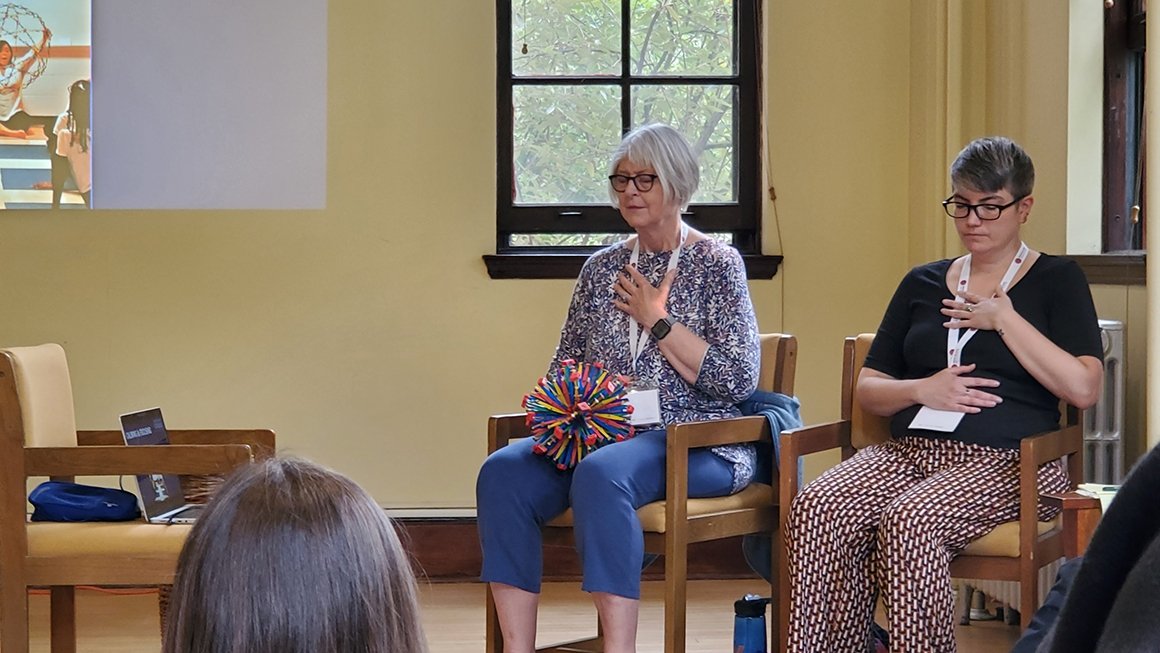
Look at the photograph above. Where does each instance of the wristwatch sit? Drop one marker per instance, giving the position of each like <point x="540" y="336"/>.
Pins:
<point x="662" y="328"/>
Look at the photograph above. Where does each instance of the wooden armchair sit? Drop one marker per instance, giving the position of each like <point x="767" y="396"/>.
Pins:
<point x="38" y="438"/>
<point x="1014" y="551"/>
<point x="670" y="526"/>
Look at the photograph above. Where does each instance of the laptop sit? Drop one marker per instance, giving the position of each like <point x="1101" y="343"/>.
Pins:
<point x="162" y="499"/>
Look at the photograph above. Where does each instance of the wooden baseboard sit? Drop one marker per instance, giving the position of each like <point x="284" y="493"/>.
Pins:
<point x="447" y="550"/>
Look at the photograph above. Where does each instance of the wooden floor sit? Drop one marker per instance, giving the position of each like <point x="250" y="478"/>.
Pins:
<point x="453" y="617"/>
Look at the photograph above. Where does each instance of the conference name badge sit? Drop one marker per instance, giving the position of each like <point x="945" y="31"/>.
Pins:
<point x="930" y="419"/>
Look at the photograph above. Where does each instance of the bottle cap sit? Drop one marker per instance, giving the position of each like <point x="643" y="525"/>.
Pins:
<point x="750" y="606"/>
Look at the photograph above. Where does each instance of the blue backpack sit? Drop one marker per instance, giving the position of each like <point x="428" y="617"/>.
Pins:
<point x="61" y="501"/>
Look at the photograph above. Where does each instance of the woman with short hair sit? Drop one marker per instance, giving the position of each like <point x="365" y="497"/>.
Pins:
<point x="973" y="354"/>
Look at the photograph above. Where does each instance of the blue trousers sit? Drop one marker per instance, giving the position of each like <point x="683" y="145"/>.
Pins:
<point x="518" y="491"/>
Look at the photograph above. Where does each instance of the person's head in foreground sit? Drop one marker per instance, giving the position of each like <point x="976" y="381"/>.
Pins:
<point x="291" y="557"/>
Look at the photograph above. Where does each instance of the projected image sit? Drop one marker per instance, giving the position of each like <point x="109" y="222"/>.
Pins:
<point x="45" y="137"/>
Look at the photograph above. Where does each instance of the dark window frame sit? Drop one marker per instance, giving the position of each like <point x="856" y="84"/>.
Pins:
<point x="1124" y="259"/>
<point x="1123" y="77"/>
<point x="742" y="218"/>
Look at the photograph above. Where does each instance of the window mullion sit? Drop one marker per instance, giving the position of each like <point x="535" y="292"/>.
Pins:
<point x="625" y="66"/>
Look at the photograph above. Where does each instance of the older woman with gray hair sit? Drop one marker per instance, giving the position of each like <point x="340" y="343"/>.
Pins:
<point x="669" y="307"/>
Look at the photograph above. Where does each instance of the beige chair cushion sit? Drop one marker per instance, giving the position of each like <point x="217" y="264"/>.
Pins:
<point x="1004" y="540"/>
<point x="49" y="539"/>
<point x="652" y="516"/>
<point x="45" y="392"/>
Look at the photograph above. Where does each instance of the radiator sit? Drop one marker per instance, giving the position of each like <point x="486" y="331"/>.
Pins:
<point x="1103" y="425"/>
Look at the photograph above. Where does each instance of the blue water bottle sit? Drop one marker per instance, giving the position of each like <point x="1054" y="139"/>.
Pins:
<point x="749" y="624"/>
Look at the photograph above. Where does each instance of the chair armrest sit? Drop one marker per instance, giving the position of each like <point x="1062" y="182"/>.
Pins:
<point x="144" y="459"/>
<point x="262" y="441"/>
<point x="680" y="438"/>
<point x="803" y="441"/>
<point x="1033" y="452"/>
<point x="501" y="428"/>
<point x="1052" y="445"/>
<point x="736" y="430"/>
<point x="1081" y="515"/>
<point x="815" y="438"/>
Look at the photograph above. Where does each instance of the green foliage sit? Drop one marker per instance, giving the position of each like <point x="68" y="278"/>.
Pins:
<point x="585" y="240"/>
<point x="564" y="134"/>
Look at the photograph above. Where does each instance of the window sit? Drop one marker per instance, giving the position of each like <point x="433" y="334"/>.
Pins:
<point x="574" y="75"/>
<point x="1124" y="218"/>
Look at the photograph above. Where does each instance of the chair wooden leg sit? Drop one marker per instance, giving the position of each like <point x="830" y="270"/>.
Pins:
<point x="966" y="596"/>
<point x="774" y="609"/>
<point x="63" y="609"/>
<point x="13" y="616"/>
<point x="676" y="585"/>
<point x="1028" y="592"/>
<point x="781" y="572"/>
<point x="774" y="598"/>
<point x="493" y="638"/>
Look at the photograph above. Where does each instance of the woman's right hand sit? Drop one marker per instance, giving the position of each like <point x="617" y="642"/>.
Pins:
<point x="952" y="389"/>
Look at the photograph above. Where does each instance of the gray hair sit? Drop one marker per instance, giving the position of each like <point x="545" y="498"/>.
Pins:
<point x="992" y="164"/>
<point x="663" y="149"/>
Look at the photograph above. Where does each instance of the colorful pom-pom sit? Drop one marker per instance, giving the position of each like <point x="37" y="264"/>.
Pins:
<point x="575" y="410"/>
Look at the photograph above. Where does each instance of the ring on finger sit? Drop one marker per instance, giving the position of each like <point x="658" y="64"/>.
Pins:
<point x="969" y="308"/>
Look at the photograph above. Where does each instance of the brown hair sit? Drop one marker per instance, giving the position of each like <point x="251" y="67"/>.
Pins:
<point x="290" y="557"/>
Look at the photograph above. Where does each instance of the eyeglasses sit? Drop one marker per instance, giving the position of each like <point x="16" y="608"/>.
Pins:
<point x="643" y="182"/>
<point x="960" y="210"/>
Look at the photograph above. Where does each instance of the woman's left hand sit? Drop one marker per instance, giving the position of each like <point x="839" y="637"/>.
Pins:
<point x="640" y="299"/>
<point x="978" y="313"/>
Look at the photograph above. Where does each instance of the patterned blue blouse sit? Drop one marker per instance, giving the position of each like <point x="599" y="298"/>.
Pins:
<point x="710" y="296"/>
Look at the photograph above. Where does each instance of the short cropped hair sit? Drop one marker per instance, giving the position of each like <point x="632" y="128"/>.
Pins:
<point x="663" y="149"/>
<point x="992" y="164"/>
<point x="290" y="557"/>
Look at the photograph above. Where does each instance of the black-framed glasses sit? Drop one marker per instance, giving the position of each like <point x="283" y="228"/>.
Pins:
<point x="960" y="210"/>
<point x="643" y="182"/>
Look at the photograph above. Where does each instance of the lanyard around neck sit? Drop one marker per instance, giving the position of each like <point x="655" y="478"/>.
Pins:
<point x="954" y="343"/>
<point x="637" y="333"/>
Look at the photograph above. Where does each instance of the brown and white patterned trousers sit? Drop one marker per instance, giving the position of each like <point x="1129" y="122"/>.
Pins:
<point x="887" y="522"/>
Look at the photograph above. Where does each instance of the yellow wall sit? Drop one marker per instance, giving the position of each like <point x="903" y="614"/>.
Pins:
<point x="369" y="334"/>
<point x="838" y="124"/>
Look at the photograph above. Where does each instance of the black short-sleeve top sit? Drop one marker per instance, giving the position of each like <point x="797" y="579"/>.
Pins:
<point x="911" y="344"/>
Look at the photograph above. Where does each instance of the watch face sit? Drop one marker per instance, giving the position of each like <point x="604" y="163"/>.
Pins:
<point x="661" y="328"/>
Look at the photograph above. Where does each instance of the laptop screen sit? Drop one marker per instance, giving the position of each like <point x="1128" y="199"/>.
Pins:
<point x="160" y="493"/>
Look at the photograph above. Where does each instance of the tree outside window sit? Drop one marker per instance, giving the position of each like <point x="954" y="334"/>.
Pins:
<point x="574" y="75"/>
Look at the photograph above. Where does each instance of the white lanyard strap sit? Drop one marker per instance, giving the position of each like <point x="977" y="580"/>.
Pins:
<point x="637" y="333"/>
<point x="954" y="343"/>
